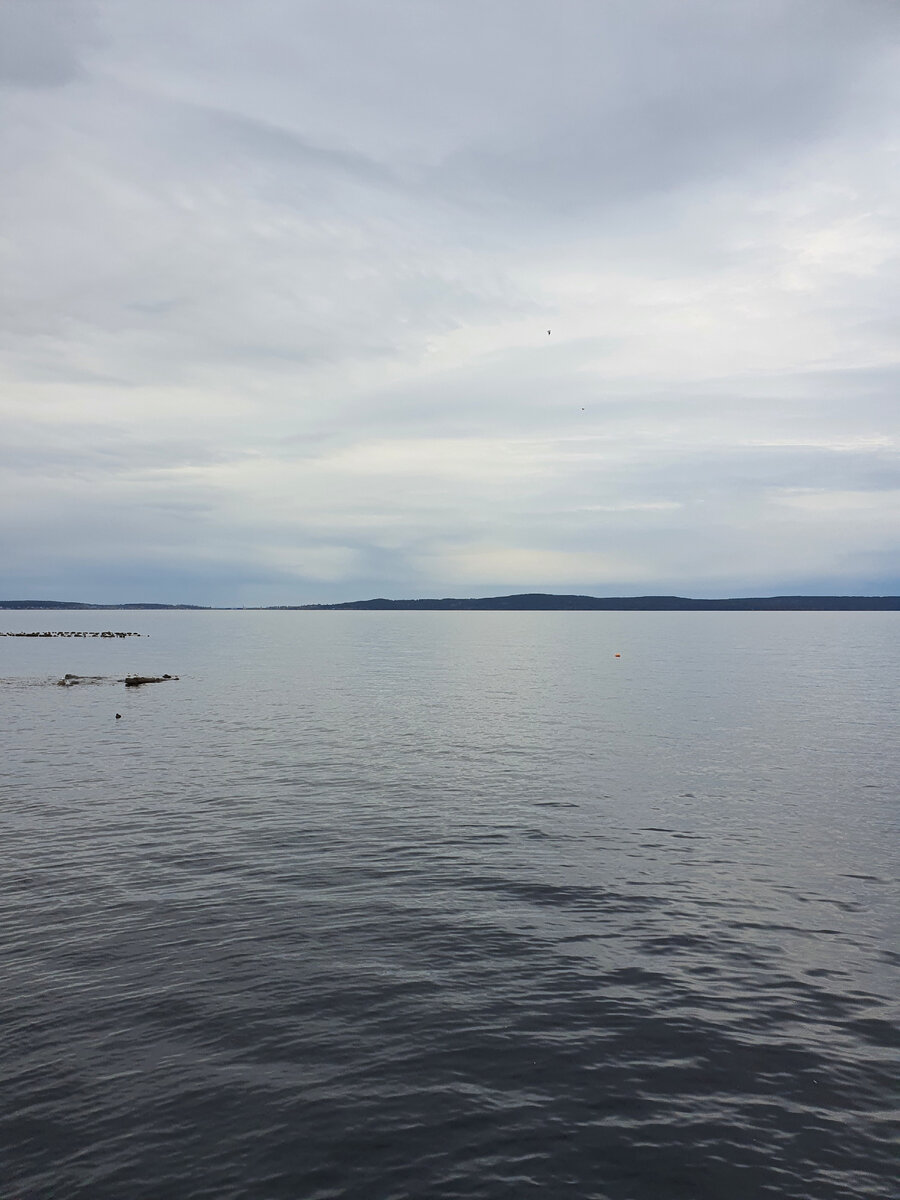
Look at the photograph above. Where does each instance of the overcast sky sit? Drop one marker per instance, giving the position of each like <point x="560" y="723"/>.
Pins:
<point x="278" y="275"/>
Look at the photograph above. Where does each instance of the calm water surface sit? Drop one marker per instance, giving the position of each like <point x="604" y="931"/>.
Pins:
<point x="405" y="905"/>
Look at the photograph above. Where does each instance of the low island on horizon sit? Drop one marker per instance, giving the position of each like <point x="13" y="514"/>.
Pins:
<point x="522" y="602"/>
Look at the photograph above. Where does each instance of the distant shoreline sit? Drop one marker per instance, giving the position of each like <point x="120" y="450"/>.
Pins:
<point x="526" y="602"/>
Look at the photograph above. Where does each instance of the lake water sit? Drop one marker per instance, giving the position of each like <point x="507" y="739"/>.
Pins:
<point x="406" y="905"/>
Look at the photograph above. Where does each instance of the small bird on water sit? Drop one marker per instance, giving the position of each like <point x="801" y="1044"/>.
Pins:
<point x="118" y="716"/>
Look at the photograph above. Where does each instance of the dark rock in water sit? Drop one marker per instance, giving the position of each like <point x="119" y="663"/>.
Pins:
<point x="138" y="680"/>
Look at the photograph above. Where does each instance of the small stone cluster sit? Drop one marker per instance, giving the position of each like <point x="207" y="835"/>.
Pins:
<point x="69" y="680"/>
<point x="138" y="680"/>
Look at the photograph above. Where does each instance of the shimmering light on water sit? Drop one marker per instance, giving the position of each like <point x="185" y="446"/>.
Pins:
<point x="388" y="905"/>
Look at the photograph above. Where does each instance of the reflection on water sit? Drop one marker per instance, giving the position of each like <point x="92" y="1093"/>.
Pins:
<point x="451" y="904"/>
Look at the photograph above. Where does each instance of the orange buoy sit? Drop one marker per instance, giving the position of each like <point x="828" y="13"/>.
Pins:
<point x="617" y="656"/>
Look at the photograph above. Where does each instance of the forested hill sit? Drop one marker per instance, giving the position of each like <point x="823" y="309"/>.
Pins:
<point x="73" y="604"/>
<point x="540" y="601"/>
<point x="534" y="602"/>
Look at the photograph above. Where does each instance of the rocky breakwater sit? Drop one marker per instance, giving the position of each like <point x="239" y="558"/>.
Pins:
<point x="107" y="633"/>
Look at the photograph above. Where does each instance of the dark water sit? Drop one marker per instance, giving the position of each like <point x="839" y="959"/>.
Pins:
<point x="388" y="905"/>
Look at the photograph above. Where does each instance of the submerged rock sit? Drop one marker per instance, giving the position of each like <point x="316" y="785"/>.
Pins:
<point x="139" y="680"/>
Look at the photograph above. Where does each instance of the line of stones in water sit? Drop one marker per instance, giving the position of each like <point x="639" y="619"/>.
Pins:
<point x="107" y="633"/>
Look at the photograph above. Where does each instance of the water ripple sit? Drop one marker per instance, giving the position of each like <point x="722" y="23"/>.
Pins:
<point x="291" y="940"/>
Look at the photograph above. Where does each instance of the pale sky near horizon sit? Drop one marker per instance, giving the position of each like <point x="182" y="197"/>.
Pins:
<point x="277" y="278"/>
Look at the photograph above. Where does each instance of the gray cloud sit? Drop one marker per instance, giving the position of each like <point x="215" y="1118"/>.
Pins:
<point x="279" y="279"/>
<point x="42" y="41"/>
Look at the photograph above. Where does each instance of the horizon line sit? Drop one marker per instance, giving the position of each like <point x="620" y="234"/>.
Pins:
<point x="507" y="601"/>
